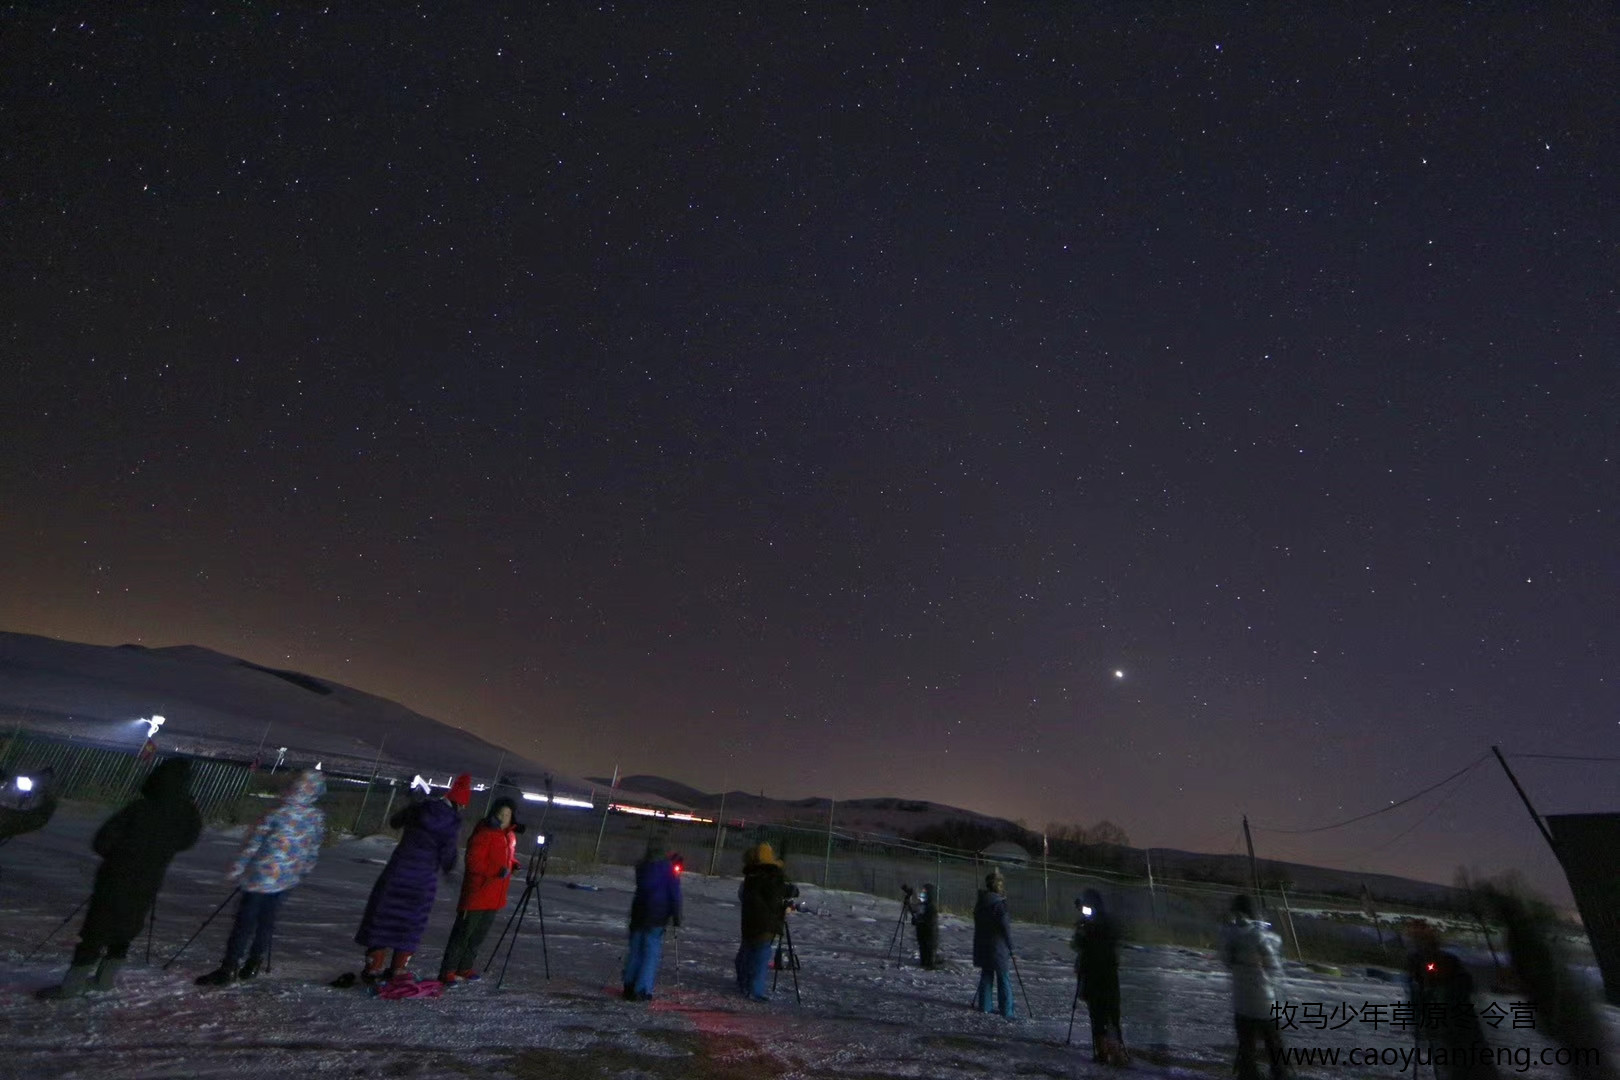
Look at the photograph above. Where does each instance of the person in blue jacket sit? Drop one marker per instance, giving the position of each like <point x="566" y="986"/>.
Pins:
<point x="657" y="903"/>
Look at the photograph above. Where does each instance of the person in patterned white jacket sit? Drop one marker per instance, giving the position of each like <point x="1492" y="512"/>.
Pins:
<point x="279" y="851"/>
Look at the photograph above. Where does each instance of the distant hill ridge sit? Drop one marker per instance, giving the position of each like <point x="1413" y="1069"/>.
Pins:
<point x="903" y="818"/>
<point x="221" y="704"/>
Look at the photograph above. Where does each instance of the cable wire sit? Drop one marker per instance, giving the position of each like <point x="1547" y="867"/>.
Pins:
<point x="1382" y="809"/>
<point x="1427" y="814"/>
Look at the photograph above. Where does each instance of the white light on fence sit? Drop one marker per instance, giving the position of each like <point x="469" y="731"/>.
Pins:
<point x="534" y="796"/>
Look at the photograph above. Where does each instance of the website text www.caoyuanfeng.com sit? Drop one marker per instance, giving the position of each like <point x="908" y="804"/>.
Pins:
<point x="1402" y="1058"/>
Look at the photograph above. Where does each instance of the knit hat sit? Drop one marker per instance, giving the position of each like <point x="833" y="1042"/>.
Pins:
<point x="761" y="854"/>
<point x="461" y="790"/>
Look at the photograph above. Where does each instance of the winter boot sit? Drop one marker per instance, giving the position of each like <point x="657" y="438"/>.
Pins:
<point x="224" y="975"/>
<point x="107" y="973"/>
<point x="399" y="972"/>
<point x="251" y="968"/>
<point x="74" y="984"/>
<point x="373" y="973"/>
<point x="629" y="991"/>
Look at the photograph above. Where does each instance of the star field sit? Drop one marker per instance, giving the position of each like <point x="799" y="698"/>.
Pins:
<point x="1155" y="414"/>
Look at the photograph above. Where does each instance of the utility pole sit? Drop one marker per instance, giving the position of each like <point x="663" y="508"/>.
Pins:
<point x="1254" y="869"/>
<point x="1153" y="900"/>
<point x="375" y="766"/>
<point x="826" y="863"/>
<point x="490" y="799"/>
<point x="719" y="831"/>
<point x="1540" y="824"/>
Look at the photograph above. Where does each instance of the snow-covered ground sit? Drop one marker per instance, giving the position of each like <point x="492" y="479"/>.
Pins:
<point x="859" y="1018"/>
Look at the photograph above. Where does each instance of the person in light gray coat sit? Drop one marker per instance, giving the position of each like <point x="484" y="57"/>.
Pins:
<point x="1252" y="953"/>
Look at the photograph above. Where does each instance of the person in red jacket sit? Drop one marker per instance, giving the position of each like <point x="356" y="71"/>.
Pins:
<point x="491" y="858"/>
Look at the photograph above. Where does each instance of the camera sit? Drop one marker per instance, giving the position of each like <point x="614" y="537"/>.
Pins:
<point x="1083" y="908"/>
<point x="906" y="889"/>
<point x="519" y="828"/>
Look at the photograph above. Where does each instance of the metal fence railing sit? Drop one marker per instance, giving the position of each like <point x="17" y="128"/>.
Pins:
<point x="113" y="776"/>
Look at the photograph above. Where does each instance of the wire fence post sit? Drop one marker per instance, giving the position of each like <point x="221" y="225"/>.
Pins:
<point x="375" y="766"/>
<point x="826" y="863"/>
<point x="607" y="804"/>
<point x="719" y="833"/>
<point x="490" y="801"/>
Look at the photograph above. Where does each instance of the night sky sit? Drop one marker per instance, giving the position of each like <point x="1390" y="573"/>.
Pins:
<point x="1157" y="413"/>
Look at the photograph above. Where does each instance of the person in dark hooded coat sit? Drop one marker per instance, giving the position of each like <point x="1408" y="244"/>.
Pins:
<point x="762" y="899"/>
<point x="924" y="911"/>
<point x="1096" y="965"/>
<point x="136" y="845"/>
<point x="993" y="946"/>
<point x="402" y="899"/>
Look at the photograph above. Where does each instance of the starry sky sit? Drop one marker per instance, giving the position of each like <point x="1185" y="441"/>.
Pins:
<point x="1154" y="412"/>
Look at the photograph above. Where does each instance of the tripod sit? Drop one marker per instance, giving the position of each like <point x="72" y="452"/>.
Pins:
<point x="784" y="951"/>
<point x="200" y="929"/>
<point x="531" y="889"/>
<point x="53" y="933"/>
<point x="896" y="948"/>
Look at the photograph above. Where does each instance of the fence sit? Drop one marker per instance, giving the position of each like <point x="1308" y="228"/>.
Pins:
<point x="1313" y="927"/>
<point x="103" y="775"/>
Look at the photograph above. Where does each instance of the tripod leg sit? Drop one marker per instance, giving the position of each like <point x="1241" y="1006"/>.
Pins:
<point x="1020" y="975"/>
<point x="894" y="942"/>
<point x="793" y="959"/>
<point x="54" y="932"/>
<point x="200" y="929"/>
<point x="1072" y="1010"/>
<point x="151" y="925"/>
<point x="523" y="908"/>
<point x="540" y="911"/>
<point x="496" y="950"/>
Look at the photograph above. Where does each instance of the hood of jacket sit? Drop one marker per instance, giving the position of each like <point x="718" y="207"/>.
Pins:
<point x="168" y="781"/>
<point x="306" y="789"/>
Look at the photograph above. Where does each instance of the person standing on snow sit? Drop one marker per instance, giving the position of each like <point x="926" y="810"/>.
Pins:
<point x="993" y="945"/>
<point x="1252" y="952"/>
<point x="763" y="898"/>
<point x="1096" y="965"/>
<point x="485" y="884"/>
<point x="657" y="903"/>
<point x="402" y="899"/>
<point x="925" y="917"/>
<point x="136" y="846"/>
<point x="279" y="851"/>
<point x="1442" y="999"/>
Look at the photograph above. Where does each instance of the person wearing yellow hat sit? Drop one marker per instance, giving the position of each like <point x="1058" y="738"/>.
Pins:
<point x="763" y="898"/>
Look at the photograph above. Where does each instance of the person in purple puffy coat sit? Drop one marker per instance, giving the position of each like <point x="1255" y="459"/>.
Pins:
<point x="401" y="901"/>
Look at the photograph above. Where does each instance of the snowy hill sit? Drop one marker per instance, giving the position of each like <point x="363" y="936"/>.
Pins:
<point x="219" y="704"/>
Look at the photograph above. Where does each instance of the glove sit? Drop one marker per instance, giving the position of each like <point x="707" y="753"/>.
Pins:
<point x="506" y="871"/>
